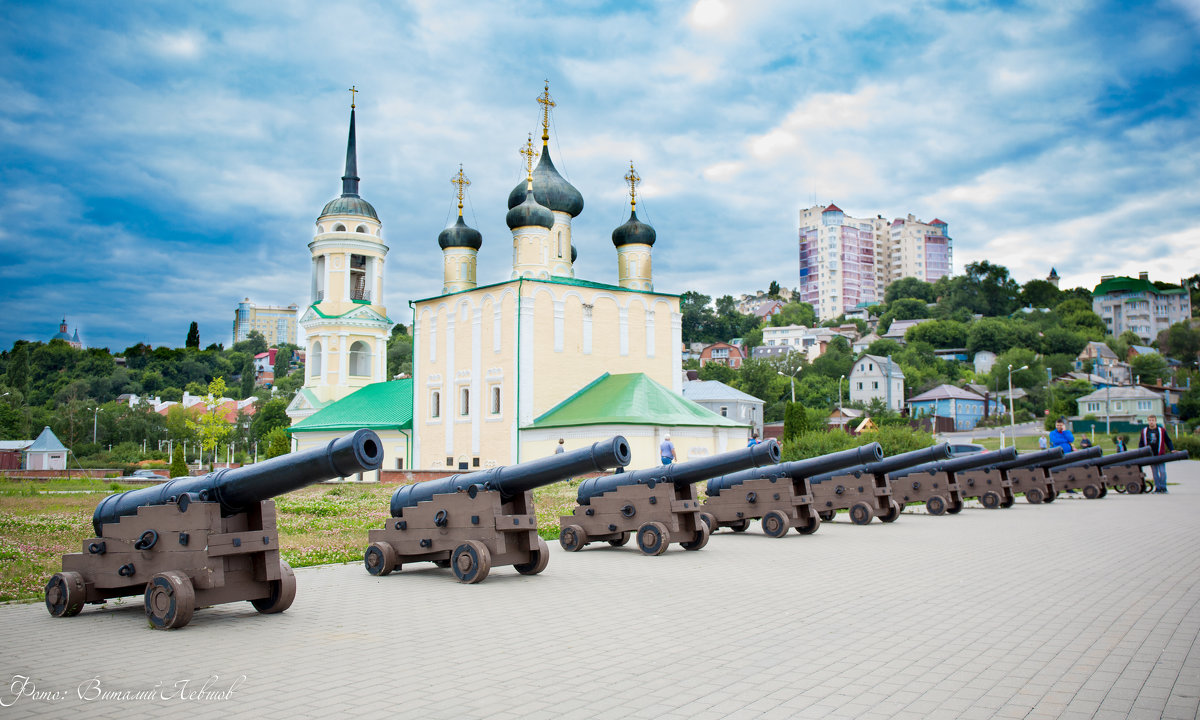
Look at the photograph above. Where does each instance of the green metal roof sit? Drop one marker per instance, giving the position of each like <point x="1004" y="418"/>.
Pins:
<point x="629" y="399"/>
<point x="378" y="406"/>
<point x="317" y="310"/>
<point x="1128" y="284"/>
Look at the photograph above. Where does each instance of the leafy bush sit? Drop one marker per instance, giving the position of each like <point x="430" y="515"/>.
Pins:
<point x="1191" y="443"/>
<point x="894" y="439"/>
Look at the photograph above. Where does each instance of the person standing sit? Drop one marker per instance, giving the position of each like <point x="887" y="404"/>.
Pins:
<point x="666" y="449"/>
<point x="1121" y="443"/>
<point x="1157" y="439"/>
<point x="1060" y="436"/>
<point x="560" y="449"/>
<point x="1042" y="442"/>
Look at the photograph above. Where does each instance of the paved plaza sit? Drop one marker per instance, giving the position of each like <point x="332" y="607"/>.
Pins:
<point x="1077" y="609"/>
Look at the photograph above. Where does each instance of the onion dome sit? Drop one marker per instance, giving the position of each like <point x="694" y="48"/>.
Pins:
<point x="460" y="235"/>
<point x="529" y="212"/>
<point x="552" y="190"/>
<point x="350" y="203"/>
<point x="574" y="253"/>
<point x="633" y="232"/>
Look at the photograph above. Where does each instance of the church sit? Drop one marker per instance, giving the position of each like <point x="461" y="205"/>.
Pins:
<point x="501" y="372"/>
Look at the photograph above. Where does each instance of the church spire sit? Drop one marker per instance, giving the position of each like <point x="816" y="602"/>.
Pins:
<point x="546" y="102"/>
<point x="350" y="179"/>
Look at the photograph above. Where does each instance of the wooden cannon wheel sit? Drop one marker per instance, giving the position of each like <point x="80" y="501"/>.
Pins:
<point x="380" y="558"/>
<point x="283" y="592"/>
<point x="774" y="524"/>
<point x="65" y="594"/>
<point x="653" y="538"/>
<point x="827" y="515"/>
<point x="699" y="540"/>
<point x="471" y="561"/>
<point x="1034" y="496"/>
<point x="892" y="513"/>
<point x="572" y="538"/>
<point x="622" y="540"/>
<point x="955" y="507"/>
<point x="170" y="600"/>
<point x="936" y="505"/>
<point x="990" y="500"/>
<point x="810" y="526"/>
<point x="711" y="521"/>
<point x="1091" y="492"/>
<point x="860" y="513"/>
<point x="539" y="558"/>
<point x="739" y="526"/>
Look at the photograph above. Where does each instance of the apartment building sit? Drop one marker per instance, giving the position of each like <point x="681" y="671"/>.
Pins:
<point x="277" y="324"/>
<point x="1139" y="305"/>
<point x="847" y="262"/>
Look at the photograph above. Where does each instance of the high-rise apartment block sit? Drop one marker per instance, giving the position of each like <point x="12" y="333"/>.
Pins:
<point x="1139" y="305"/>
<point x="847" y="261"/>
<point x="277" y="324"/>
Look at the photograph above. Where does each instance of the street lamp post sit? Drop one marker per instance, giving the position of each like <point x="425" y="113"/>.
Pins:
<point x="95" y="416"/>
<point x="1012" y="417"/>
<point x="792" y="378"/>
<point x="840" y="392"/>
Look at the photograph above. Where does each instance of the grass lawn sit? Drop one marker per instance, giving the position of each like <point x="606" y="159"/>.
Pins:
<point x="42" y="521"/>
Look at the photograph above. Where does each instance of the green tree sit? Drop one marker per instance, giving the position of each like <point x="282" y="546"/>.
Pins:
<point x="399" y="353"/>
<point x="278" y="443"/>
<point x="254" y="344"/>
<point x="761" y="379"/>
<point x="193" y="336"/>
<point x="248" y="377"/>
<point x="773" y="290"/>
<point x="939" y="334"/>
<point x="1059" y="340"/>
<point x="696" y="316"/>
<point x="211" y="426"/>
<point x="1039" y="294"/>
<point x="178" y="464"/>
<point x="795" y="313"/>
<point x="719" y="372"/>
<point x="795" y="421"/>
<point x="270" y="415"/>
<point x="909" y="287"/>
<point x="1151" y="367"/>
<point x="1182" y="342"/>
<point x="283" y="362"/>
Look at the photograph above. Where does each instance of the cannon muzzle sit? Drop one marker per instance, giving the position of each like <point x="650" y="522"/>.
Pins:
<point x="236" y="489"/>
<point x="1031" y="459"/>
<point x="764" y="453"/>
<point x="1100" y="461"/>
<point x="798" y="469"/>
<point x="512" y="480"/>
<point x="959" y="464"/>
<point x="1156" y="459"/>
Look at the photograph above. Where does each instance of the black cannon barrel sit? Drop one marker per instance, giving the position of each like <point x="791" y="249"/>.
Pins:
<point x="941" y="451"/>
<point x="1031" y="459"/>
<point x="236" y="489"/>
<point x="1106" y="460"/>
<point x="1157" y="459"/>
<point x="797" y="469"/>
<point x="512" y="480"/>
<point x="764" y="453"/>
<point x="1074" y="457"/>
<point x="958" y="464"/>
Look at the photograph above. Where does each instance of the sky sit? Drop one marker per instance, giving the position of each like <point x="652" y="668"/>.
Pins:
<point x="161" y="161"/>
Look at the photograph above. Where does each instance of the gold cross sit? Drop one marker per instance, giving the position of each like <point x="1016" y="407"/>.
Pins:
<point x="461" y="182"/>
<point x="353" y="89"/>
<point x="633" y="179"/>
<point x="529" y="154"/>
<point x="546" y="103"/>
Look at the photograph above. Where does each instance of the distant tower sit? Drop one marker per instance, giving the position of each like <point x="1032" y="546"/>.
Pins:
<point x="634" y="240"/>
<point x="346" y="324"/>
<point x="460" y="244"/>
<point x="65" y="336"/>
<point x="531" y="224"/>
<point x="1052" y="278"/>
<point x="556" y="194"/>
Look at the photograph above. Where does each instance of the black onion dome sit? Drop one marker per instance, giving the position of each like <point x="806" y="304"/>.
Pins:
<point x="552" y="190"/>
<point x="349" y="205"/>
<point x="460" y="235"/>
<point x="529" y="212"/>
<point x="574" y="252"/>
<point x="633" y="232"/>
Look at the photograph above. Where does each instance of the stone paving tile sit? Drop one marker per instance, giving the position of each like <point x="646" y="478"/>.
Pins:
<point x="1030" y="612"/>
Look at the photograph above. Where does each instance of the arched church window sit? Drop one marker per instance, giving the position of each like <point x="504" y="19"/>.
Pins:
<point x="320" y="229"/>
<point x="464" y="402"/>
<point x="560" y="244"/>
<point x="361" y="229"/>
<point x="339" y="228"/>
<point x="435" y="404"/>
<point x="314" y="363"/>
<point x="360" y="359"/>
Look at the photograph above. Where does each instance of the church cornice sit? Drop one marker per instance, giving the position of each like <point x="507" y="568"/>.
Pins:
<point x="347" y="241"/>
<point x="362" y="316"/>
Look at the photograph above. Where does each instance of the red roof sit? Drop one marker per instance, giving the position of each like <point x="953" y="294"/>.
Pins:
<point x="935" y="221"/>
<point x="833" y="208"/>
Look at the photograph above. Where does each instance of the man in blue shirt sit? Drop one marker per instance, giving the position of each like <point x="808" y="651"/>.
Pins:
<point x="1060" y="436"/>
<point x="666" y="449"/>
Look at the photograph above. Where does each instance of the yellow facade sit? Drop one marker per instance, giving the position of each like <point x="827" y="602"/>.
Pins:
<point x="488" y="362"/>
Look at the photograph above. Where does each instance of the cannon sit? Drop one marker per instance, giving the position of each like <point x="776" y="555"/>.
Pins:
<point x="939" y="484"/>
<point x="472" y="522"/>
<point x="864" y="490"/>
<point x="1085" y="474"/>
<point x="1127" y="476"/>
<point x="197" y="541"/>
<point x="992" y="485"/>
<point x="777" y="495"/>
<point x="1035" y="480"/>
<point x="659" y="504"/>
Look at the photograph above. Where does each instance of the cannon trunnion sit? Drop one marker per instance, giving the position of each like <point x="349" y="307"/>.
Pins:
<point x="657" y="505"/>
<point x="181" y="552"/>
<point x="473" y="522"/>
<point x="779" y="496"/>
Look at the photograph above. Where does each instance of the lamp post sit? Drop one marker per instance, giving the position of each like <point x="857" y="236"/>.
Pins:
<point x="792" y="378"/>
<point x="1107" y="399"/>
<point x="95" y="416"/>
<point x="1012" y="417"/>
<point x="840" y="392"/>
